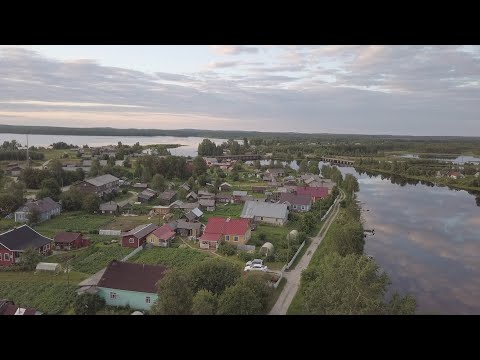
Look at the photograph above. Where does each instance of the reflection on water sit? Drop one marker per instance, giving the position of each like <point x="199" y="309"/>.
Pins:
<point x="189" y="148"/>
<point x="427" y="239"/>
<point x="460" y="160"/>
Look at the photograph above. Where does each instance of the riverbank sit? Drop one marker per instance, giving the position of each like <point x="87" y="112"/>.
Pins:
<point x="446" y="182"/>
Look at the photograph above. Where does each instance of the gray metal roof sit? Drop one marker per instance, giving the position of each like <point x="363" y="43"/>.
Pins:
<point x="109" y="206"/>
<point x="265" y="209"/>
<point x="102" y="180"/>
<point x="239" y="193"/>
<point x="42" y="205"/>
<point x="141" y="230"/>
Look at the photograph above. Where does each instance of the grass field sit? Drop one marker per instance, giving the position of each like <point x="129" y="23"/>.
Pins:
<point x="228" y="210"/>
<point x="47" y="293"/>
<point x="91" y="259"/>
<point x="6" y="224"/>
<point x="171" y="257"/>
<point x="73" y="221"/>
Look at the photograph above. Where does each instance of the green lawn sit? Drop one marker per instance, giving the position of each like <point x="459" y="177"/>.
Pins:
<point x="47" y="293"/>
<point x="92" y="259"/>
<point x="6" y="224"/>
<point x="295" y="307"/>
<point x="74" y="221"/>
<point x="171" y="257"/>
<point x="223" y="210"/>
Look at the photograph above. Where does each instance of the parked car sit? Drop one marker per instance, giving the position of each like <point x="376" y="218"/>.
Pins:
<point x="254" y="261"/>
<point x="256" y="267"/>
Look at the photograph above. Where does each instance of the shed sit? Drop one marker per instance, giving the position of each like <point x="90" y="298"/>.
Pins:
<point x="137" y="313"/>
<point x="44" y="266"/>
<point x="266" y="249"/>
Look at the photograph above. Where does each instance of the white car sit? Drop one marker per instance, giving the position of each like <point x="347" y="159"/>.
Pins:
<point x="256" y="267"/>
<point x="254" y="261"/>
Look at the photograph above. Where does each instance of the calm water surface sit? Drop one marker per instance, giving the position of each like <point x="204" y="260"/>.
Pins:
<point x="189" y="149"/>
<point x="428" y="241"/>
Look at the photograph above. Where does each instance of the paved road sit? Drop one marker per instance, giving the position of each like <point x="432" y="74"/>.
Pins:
<point x="293" y="276"/>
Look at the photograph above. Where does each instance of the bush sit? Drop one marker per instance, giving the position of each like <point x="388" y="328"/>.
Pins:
<point x="262" y="237"/>
<point x="227" y="249"/>
<point x="88" y="304"/>
<point x="245" y="256"/>
<point x="93" y="231"/>
<point x="124" y="191"/>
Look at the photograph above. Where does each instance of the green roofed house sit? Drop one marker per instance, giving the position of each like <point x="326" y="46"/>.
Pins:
<point x="130" y="284"/>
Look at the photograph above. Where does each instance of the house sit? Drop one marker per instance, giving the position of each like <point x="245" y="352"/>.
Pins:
<point x="270" y="213"/>
<point x="210" y="161"/>
<point x="237" y="196"/>
<point x="8" y="307"/>
<point x="161" y="210"/>
<point x="315" y="193"/>
<point x="296" y="202"/>
<point x="140" y="186"/>
<point x="120" y="163"/>
<point x="125" y="207"/>
<point x="130" y="284"/>
<point x="207" y="204"/>
<point x="275" y="172"/>
<point x="223" y="198"/>
<point x="162" y="236"/>
<point x="167" y="197"/>
<point x="455" y="175"/>
<point x="188" y="206"/>
<point x="110" y="208"/>
<point x="225" y="187"/>
<point x="259" y="189"/>
<point x="205" y="195"/>
<point x="146" y="195"/>
<point x="45" y="207"/>
<point x="218" y="229"/>
<point x="477" y="174"/>
<point x="136" y="237"/>
<point x="192" y="196"/>
<point x="185" y="187"/>
<point x="185" y="228"/>
<point x="87" y="163"/>
<point x="99" y="185"/>
<point x="267" y="178"/>
<point x="193" y="215"/>
<point x="70" y="241"/>
<point x="13" y="169"/>
<point x="103" y="163"/>
<point x="289" y="180"/>
<point x="14" y="242"/>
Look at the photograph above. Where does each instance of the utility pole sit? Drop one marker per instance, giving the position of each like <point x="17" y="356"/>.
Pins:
<point x="28" y="156"/>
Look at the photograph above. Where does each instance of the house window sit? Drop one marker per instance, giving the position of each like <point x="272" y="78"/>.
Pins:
<point x="6" y="257"/>
<point x="151" y="240"/>
<point x="48" y="247"/>
<point x="147" y="300"/>
<point x="235" y="238"/>
<point x="113" y="295"/>
<point x="261" y="218"/>
<point x="294" y="206"/>
<point x="131" y="240"/>
<point x="227" y="237"/>
<point x="303" y="207"/>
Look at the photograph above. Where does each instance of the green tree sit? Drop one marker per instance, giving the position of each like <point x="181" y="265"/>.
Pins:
<point x="227" y="249"/>
<point x="239" y="299"/>
<point x="88" y="304"/>
<point x="72" y="199"/>
<point x="308" y="222"/>
<point x="34" y="216"/>
<point x="95" y="169"/>
<point x="399" y="305"/>
<point x="91" y="203"/>
<point x="214" y="275"/>
<point x="199" y="166"/>
<point x="303" y="167"/>
<point x="349" y="239"/>
<point x="344" y="286"/>
<point x="313" y="167"/>
<point x="158" y="183"/>
<point x="146" y="175"/>
<point x="204" y="303"/>
<point x="258" y="284"/>
<point x="137" y="172"/>
<point x="175" y="296"/>
<point x="29" y="259"/>
<point x="49" y="188"/>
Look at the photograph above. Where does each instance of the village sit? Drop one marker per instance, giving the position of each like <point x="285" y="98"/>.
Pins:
<point x="130" y="227"/>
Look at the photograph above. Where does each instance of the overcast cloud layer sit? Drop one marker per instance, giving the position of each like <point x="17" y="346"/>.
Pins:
<point x="417" y="90"/>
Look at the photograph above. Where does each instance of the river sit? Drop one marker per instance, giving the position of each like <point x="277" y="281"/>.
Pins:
<point x="427" y="239"/>
<point x="189" y="144"/>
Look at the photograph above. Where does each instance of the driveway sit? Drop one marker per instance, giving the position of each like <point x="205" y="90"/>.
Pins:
<point x="293" y="276"/>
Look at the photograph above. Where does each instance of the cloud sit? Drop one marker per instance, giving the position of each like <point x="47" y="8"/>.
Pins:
<point x="417" y="90"/>
<point x="223" y="64"/>
<point x="234" y="49"/>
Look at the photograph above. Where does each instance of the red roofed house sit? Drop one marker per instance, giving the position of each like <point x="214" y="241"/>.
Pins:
<point x="455" y="174"/>
<point x="136" y="237"/>
<point x="70" y="241"/>
<point x="218" y="229"/>
<point x="8" y="307"/>
<point x="161" y="236"/>
<point x="315" y="193"/>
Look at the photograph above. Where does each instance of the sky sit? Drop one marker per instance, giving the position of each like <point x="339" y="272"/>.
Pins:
<point x="348" y="89"/>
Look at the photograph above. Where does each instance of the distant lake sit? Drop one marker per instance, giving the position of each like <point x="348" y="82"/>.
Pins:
<point x="189" y="148"/>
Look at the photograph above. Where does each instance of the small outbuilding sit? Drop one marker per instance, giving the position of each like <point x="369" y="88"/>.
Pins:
<point x="267" y="249"/>
<point x="52" y="267"/>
